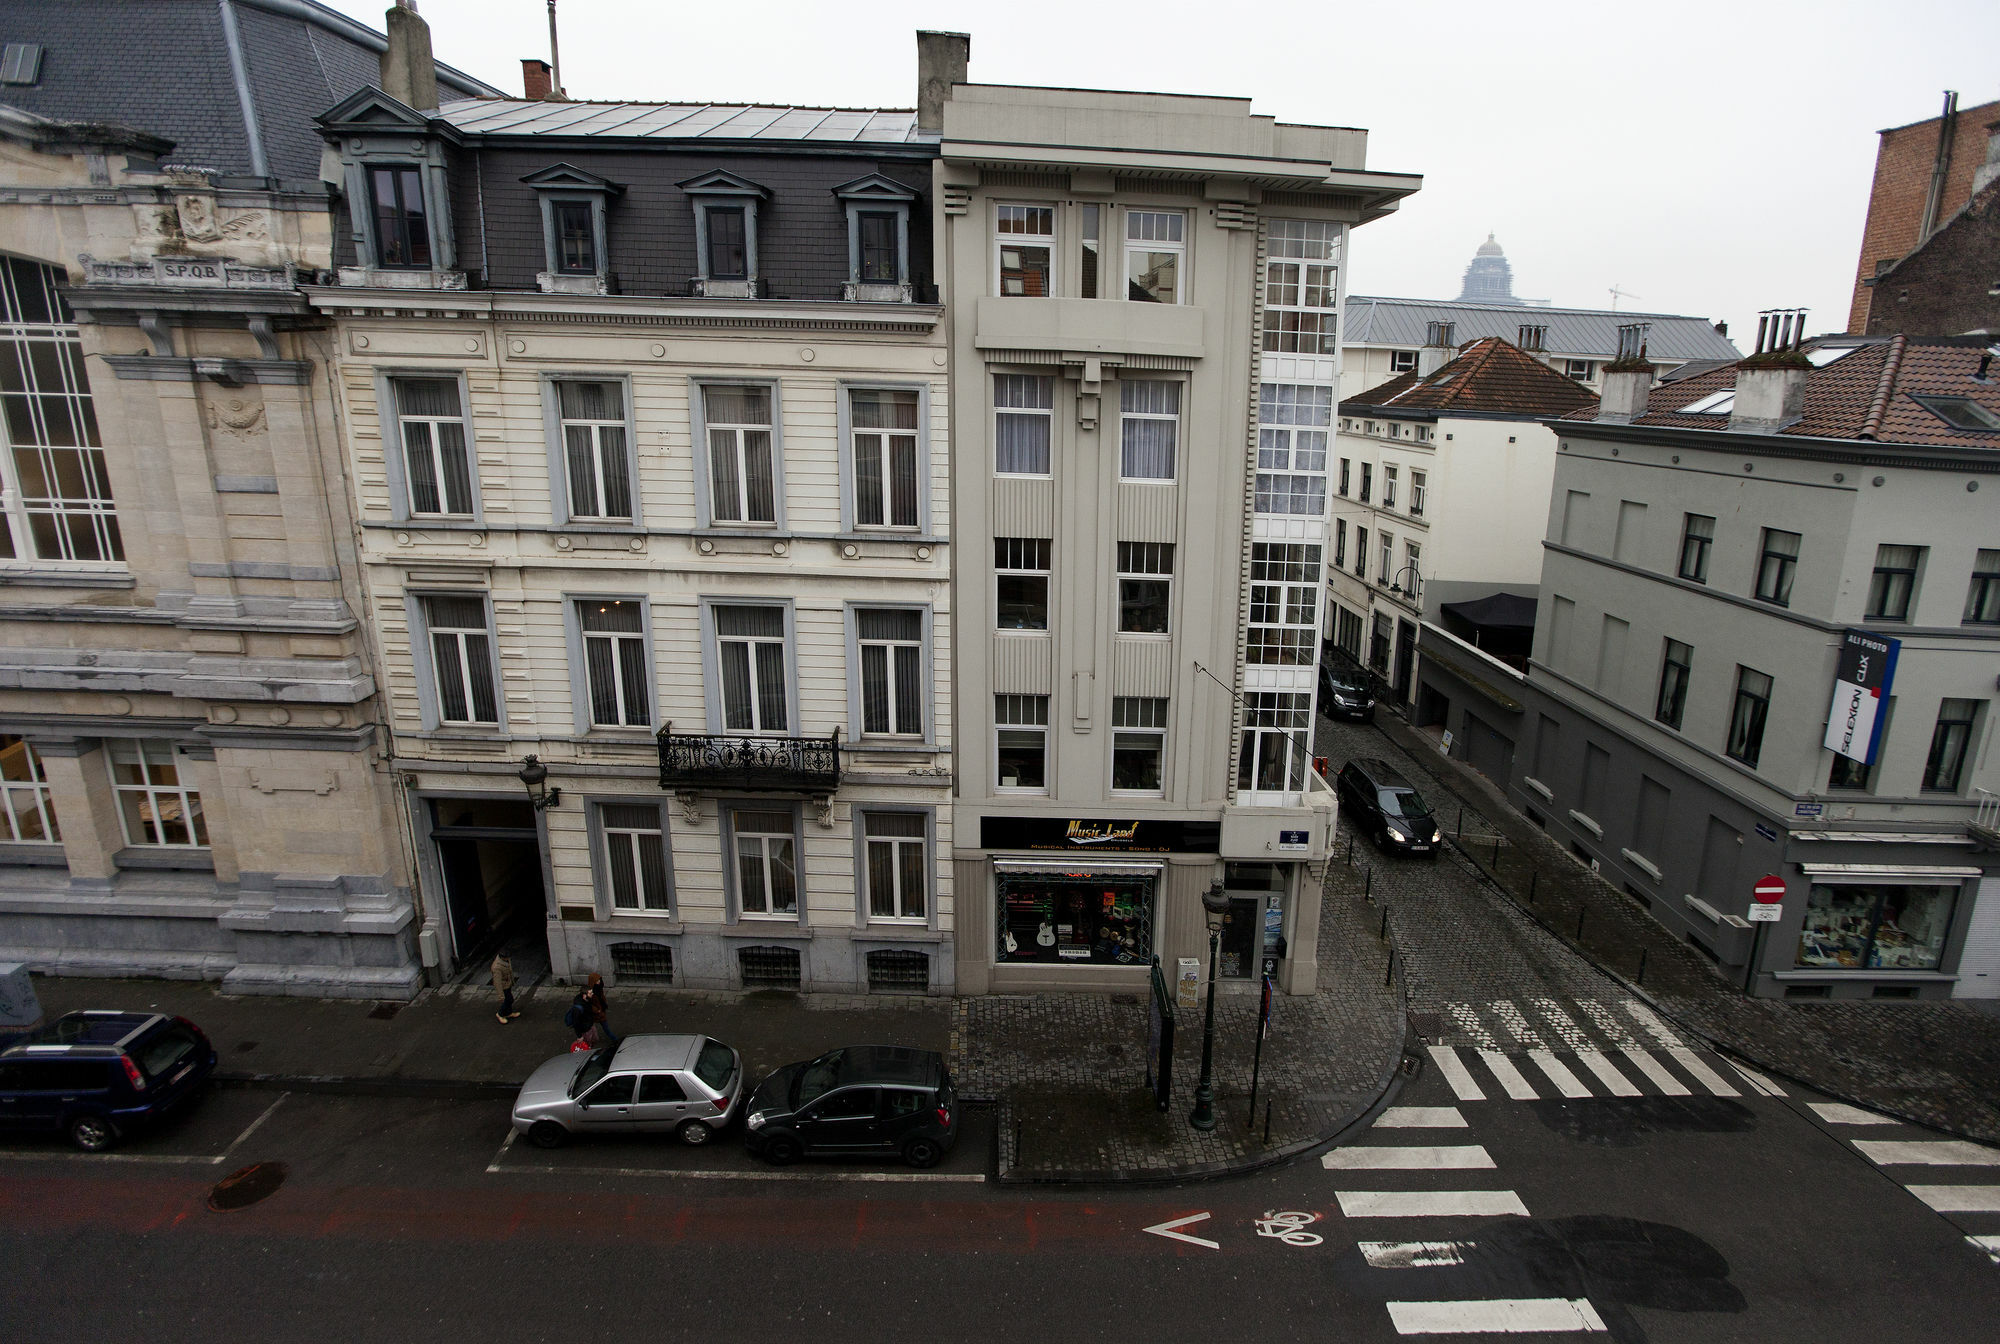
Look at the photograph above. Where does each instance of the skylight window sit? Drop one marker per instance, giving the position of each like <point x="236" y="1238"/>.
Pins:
<point x="1826" y="354"/>
<point x="1715" y="403"/>
<point x="1960" y="413"/>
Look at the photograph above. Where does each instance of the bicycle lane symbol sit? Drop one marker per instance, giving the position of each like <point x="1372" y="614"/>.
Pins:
<point x="1289" y="1226"/>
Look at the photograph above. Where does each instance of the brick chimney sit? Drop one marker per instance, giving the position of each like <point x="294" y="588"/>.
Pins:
<point x="1440" y="348"/>
<point x="1628" y="379"/>
<point x="1771" y="384"/>
<point x="537" y="81"/>
<point x="409" y="75"/>
<point x="941" y="62"/>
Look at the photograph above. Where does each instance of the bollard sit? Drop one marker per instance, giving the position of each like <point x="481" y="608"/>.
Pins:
<point x="1581" y="911"/>
<point x="1461" y="823"/>
<point x="1642" y="965"/>
<point x="1350" y="849"/>
<point x="1389" y="970"/>
<point x="1368" y="885"/>
<point x="1267" y="1122"/>
<point x="1496" y="855"/>
<point x="1533" y="876"/>
<point x="1383" y="932"/>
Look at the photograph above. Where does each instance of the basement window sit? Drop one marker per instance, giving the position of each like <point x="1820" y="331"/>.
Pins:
<point x="1960" y="413"/>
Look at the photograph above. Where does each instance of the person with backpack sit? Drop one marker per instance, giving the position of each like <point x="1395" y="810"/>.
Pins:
<point x="600" y="1009"/>
<point x="582" y="1025"/>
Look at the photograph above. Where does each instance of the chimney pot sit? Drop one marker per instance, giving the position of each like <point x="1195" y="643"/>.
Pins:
<point x="942" y="59"/>
<point x="536" y="80"/>
<point x="409" y="74"/>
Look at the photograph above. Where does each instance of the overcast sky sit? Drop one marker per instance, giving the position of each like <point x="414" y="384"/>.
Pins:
<point x="1708" y="158"/>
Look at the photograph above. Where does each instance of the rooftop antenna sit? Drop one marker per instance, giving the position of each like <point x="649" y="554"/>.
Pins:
<point x="1616" y="293"/>
<point x="555" y="55"/>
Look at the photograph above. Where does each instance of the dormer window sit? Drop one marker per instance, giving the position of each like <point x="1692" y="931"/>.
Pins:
<point x="574" y="238"/>
<point x="878" y="239"/>
<point x="397" y="192"/>
<point x="575" y="205"/>
<point x="402" y="230"/>
<point x="725" y="233"/>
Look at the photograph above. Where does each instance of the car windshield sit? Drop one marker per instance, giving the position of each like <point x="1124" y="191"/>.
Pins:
<point x="165" y="1052"/>
<point x="1343" y="687"/>
<point x="593" y="1068"/>
<point x="1396" y="803"/>
<point x="819" y="1077"/>
<point x="716" y="1062"/>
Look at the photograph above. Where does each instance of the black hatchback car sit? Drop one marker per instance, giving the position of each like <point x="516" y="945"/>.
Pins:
<point x="1382" y="803"/>
<point x="859" y="1099"/>
<point x="97" y="1076"/>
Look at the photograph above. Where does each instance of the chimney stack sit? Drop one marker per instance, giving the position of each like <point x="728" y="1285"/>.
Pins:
<point x="941" y="62"/>
<point x="1771" y="384"/>
<point x="536" y="80"/>
<point x="409" y="75"/>
<point x="1628" y="379"/>
<point x="1990" y="169"/>
<point x="1440" y="348"/>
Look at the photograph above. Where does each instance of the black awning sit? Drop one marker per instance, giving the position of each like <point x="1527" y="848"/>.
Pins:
<point x="1501" y="610"/>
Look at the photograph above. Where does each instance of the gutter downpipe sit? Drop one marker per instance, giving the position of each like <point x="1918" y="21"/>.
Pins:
<point x="239" y="72"/>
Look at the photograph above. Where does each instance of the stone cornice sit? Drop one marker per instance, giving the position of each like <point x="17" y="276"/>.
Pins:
<point x="629" y="311"/>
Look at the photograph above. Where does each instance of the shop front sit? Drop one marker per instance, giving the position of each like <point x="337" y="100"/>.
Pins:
<point x="1872" y="930"/>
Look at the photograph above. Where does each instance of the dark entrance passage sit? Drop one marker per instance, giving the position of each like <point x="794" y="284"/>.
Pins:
<point x="1406" y="657"/>
<point x="491" y="861"/>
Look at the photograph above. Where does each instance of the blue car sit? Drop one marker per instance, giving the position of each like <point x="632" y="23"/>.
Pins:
<point x="95" y="1077"/>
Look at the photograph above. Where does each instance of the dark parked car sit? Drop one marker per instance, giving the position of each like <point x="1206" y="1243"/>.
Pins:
<point x="1344" y="693"/>
<point x="860" y="1099"/>
<point x="97" y="1076"/>
<point x="1382" y="803"/>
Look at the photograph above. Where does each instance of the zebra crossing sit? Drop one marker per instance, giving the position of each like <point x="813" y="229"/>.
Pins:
<point x="1957" y="1178"/>
<point x="1535" y="1049"/>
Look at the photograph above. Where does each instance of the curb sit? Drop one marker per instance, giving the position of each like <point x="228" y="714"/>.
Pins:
<point x="428" y="1089"/>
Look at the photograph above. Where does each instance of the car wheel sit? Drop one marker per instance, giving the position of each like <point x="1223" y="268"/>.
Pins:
<point x="694" y="1133"/>
<point x="92" y="1133"/>
<point x="547" y="1134"/>
<point x="783" y="1150"/>
<point x="921" y="1153"/>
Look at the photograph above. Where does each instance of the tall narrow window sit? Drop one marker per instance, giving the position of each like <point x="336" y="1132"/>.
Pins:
<point x="1388" y="486"/>
<point x="1273" y="754"/>
<point x="27" y="814"/>
<point x="1154" y="253"/>
<point x="1149" y="429"/>
<point x="1894" y="584"/>
<point x="1346" y="471"/>
<point x="898" y="873"/>
<point x="1982" y="597"/>
<point x="1776" y="566"/>
<point x="1090" y="217"/>
<point x="742" y="473"/>
<point x="1676" y="667"/>
<point x="1021" y="583"/>
<point x="462" y="658"/>
<point x="1300" y="289"/>
<point x="1367" y="480"/>
<point x="1024" y="245"/>
<point x="880" y="247"/>
<point x="1360" y="552"/>
<point x="55" y="491"/>
<point x="594" y="450"/>
<point x="1284" y="604"/>
<point x="438" y="471"/>
<point x="1944" y="768"/>
<point x="1339" y="542"/>
<point x="1021" y="741"/>
<point x="1023" y="419"/>
<point x="1848" y="773"/>
<point x="1145" y="587"/>
<point x="1292" y="422"/>
<point x="750" y="652"/>
<point x="402" y="228"/>
<point x="892" y="671"/>
<point x="635" y="858"/>
<point x="728" y="242"/>
<point x="1746" y="718"/>
<point x="157" y="806"/>
<point x="1138" y="743"/>
<point x="1386" y="559"/>
<point x="576" y="237"/>
<point x="885" y="458"/>
<point x="767" y="864"/>
<point x="1697" y="535"/>
<point x="614" y="659"/>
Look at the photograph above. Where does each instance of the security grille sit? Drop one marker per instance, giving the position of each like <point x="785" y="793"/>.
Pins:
<point x="642" y="963"/>
<point x="769" y="967"/>
<point x="898" y="970"/>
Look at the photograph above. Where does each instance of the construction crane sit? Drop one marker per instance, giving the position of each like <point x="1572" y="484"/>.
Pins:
<point x="1617" y="294"/>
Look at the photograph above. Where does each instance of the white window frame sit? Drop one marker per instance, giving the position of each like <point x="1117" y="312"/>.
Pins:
<point x="925" y="844"/>
<point x="1299" y="266"/>
<point x="562" y="492"/>
<point x="624" y="644"/>
<point x="1145" y="562"/>
<point x="1134" y="717"/>
<point x="857" y="699"/>
<point x="1260" y="739"/>
<point x="850" y="475"/>
<point x="706" y="516"/>
<point x="1018" y="714"/>
<point x="1023" y="553"/>
<point x="1385" y="554"/>
<point x="29" y="796"/>
<point x="182" y="794"/>
<point x="1402" y="361"/>
<point x="1045" y="413"/>
<point x="602" y="833"/>
<point x="1003" y="240"/>
<point x="430" y="686"/>
<point x="1390" y="473"/>
<point x="395" y="447"/>
<point x="1129" y="390"/>
<point x="1588" y="367"/>
<point x="1281" y="420"/>
<point x="1286" y="581"/>
<point x="711" y="654"/>
<point x="1419" y="484"/>
<point x="734" y="836"/>
<point x="1175" y="246"/>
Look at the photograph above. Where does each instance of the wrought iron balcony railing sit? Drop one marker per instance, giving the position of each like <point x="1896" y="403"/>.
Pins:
<point x="754" y="764"/>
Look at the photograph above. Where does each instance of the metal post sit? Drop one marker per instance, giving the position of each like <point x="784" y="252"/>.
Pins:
<point x="1496" y="855"/>
<point x="1256" y="1065"/>
<point x="1642" y="965"/>
<point x="1581" y="911"/>
<point x="1461" y="823"/>
<point x="1383" y="932"/>
<point x="1203" y="1115"/>
<point x="1350" y="849"/>
<point x="1368" y="885"/>
<point x="1389" y="969"/>
<point x="1267" y="1122"/>
<point x="1534" y="875"/>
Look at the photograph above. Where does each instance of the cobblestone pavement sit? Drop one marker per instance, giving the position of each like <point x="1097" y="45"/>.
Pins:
<point x="1498" y="923"/>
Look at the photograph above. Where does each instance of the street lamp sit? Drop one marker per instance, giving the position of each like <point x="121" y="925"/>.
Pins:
<point x="1415" y="589"/>
<point x="535" y="776"/>
<point x="1214" y="905"/>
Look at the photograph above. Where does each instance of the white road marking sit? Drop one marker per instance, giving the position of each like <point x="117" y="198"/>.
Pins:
<point x="1421" y="1117"/>
<point x="1456" y="1157"/>
<point x="1608" y="1026"/>
<point x="253" y="1127"/>
<point x="1430" y="1203"/>
<point x="1990" y="1245"/>
<point x="1701" y="1073"/>
<point x="164" y="1159"/>
<point x="1500" y="1315"/>
<point x="1651" y="1024"/>
<point x="1566" y="1082"/>
<point x="1469" y="1023"/>
<point x="1455" y="1073"/>
<point x="1756" y="1079"/>
<point x="1615" y="1082"/>
<point x="1517" y="1023"/>
<point x="1959" y="1198"/>
<point x="1928" y="1153"/>
<point x="964" y="1177"/>
<point x="1566" y="1029"/>
<point x="1166" y="1229"/>
<point x="494" y="1165"/>
<point x="1510" y="1077"/>
<point x="1643" y="1061"/>
<point x="1413" y="1254"/>
<point x="1838" y="1113"/>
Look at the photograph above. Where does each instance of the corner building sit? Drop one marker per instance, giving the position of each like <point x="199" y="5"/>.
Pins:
<point x="1143" y="292"/>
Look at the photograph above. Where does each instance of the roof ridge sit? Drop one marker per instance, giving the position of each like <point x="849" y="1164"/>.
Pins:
<point x="1885" y="387"/>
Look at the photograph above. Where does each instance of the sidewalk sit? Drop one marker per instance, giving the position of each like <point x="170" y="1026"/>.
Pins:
<point x="1933" y="1062"/>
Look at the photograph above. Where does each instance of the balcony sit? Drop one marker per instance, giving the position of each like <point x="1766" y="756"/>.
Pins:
<point x="724" y="762"/>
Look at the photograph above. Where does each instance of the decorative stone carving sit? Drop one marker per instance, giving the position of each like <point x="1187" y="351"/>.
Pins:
<point x="690" y="808"/>
<point x="239" y="417"/>
<point x="197" y="216"/>
<point x="318" y="782"/>
<point x="185" y="273"/>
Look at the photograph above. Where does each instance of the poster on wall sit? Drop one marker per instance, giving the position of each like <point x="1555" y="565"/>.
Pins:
<point x="1860" y="685"/>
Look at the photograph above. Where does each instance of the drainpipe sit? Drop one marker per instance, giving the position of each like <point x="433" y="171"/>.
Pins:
<point x="1947" y="131"/>
<point x="239" y="73"/>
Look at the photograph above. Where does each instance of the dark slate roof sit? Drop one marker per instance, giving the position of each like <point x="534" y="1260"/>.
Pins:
<point x="162" y="66"/>
<point x="1501" y="609"/>
<point x="1580" y="332"/>
<point x="1866" y="394"/>
<point x="1489" y="377"/>
<point x="683" y="121"/>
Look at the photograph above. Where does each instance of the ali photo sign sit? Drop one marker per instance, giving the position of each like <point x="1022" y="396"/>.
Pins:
<point x="1867" y="669"/>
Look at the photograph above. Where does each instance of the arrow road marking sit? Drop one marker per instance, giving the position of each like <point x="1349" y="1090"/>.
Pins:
<point x="1166" y="1229"/>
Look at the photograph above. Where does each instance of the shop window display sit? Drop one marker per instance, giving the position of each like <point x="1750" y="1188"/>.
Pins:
<point x="1891" y="928"/>
<point x="1097" y="919"/>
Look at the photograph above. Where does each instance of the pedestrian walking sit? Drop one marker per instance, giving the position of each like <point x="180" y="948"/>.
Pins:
<point x="600" y="1007"/>
<point x="582" y="1022"/>
<point x="503" y="981"/>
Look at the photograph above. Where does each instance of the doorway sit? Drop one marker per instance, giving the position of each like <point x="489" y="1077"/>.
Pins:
<point x="1406" y="657"/>
<point x="489" y="857"/>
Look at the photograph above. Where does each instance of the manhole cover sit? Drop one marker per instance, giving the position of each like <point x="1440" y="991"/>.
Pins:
<point x="242" y="1188"/>
<point x="385" y="1011"/>
<point x="1428" y="1025"/>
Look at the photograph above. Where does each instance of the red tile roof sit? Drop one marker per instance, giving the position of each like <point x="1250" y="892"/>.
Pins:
<point x="1490" y="376"/>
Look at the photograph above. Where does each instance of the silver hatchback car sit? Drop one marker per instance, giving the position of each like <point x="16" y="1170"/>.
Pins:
<point x="684" y="1085"/>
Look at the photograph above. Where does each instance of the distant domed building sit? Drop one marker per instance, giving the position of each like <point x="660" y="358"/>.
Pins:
<point x="1489" y="279"/>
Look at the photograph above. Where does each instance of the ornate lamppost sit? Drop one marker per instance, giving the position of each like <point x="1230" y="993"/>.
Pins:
<point x="1214" y="905"/>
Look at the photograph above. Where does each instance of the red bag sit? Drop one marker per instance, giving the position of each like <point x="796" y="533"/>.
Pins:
<point x="580" y="1043"/>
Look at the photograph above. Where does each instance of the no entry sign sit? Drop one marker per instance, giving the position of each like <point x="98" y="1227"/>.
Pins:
<point x="1770" y="890"/>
